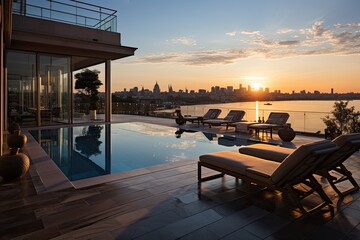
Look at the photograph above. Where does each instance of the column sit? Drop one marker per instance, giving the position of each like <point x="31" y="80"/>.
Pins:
<point x="108" y="99"/>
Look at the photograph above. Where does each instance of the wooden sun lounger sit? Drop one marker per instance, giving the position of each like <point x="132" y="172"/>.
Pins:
<point x="275" y="120"/>
<point x="232" y="117"/>
<point x="210" y="114"/>
<point x="296" y="168"/>
<point x="348" y="144"/>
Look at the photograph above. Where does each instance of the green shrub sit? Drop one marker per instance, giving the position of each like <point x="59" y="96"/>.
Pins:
<point x="343" y="120"/>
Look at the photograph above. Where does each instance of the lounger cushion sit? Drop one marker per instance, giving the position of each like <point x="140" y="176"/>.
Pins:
<point x="266" y="151"/>
<point x="348" y="144"/>
<point x="212" y="113"/>
<point x="216" y="121"/>
<point x="241" y="163"/>
<point x="346" y="139"/>
<point x="296" y="160"/>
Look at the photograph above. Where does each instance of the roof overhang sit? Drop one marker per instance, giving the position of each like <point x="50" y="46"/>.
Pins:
<point x="7" y="19"/>
<point x="86" y="46"/>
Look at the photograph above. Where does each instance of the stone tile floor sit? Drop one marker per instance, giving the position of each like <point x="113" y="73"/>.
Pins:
<point x="164" y="204"/>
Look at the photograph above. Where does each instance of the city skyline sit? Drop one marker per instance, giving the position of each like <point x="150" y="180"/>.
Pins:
<point x="213" y="89"/>
<point x="285" y="45"/>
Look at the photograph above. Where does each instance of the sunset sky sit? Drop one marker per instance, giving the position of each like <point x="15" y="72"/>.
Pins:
<point x="280" y="44"/>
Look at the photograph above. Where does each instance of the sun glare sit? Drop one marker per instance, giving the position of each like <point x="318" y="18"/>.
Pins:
<point x="255" y="81"/>
<point x="256" y="86"/>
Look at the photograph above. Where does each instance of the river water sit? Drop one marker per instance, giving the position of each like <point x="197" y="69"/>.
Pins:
<point x="305" y="116"/>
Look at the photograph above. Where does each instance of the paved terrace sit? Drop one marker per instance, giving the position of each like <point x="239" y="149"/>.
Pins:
<point x="163" y="203"/>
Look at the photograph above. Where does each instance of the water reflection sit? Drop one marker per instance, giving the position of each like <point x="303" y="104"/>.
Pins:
<point x="180" y="131"/>
<point x="85" y="152"/>
<point x="88" y="143"/>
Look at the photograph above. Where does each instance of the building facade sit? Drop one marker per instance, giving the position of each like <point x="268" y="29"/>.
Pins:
<point x="42" y="44"/>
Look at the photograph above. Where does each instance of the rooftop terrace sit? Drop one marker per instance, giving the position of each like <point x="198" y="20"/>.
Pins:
<point x="162" y="202"/>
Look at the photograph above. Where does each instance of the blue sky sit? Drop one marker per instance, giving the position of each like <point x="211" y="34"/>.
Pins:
<point x="287" y="45"/>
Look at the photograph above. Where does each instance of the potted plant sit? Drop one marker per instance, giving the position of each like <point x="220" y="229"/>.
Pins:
<point x="87" y="83"/>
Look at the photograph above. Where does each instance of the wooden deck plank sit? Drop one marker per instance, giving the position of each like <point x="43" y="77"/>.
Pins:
<point x="163" y="202"/>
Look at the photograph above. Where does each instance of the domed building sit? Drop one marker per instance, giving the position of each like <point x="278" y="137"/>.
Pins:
<point x="156" y="88"/>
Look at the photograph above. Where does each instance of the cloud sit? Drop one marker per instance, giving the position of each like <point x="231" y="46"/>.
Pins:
<point x="184" y="41"/>
<point x="316" y="39"/>
<point x="231" y="34"/>
<point x="250" y="32"/>
<point x="348" y="25"/>
<point x="288" y="42"/>
<point x="157" y="58"/>
<point x="284" y="30"/>
<point x="214" y="57"/>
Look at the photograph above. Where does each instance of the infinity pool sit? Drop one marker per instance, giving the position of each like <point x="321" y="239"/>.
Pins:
<point x="88" y="151"/>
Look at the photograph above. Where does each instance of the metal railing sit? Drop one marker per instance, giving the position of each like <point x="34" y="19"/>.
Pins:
<point x="69" y="11"/>
<point x="301" y="121"/>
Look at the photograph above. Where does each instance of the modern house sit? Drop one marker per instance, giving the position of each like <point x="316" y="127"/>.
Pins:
<point x="42" y="44"/>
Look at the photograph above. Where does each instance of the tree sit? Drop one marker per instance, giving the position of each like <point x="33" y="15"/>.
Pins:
<point x="88" y="83"/>
<point x="88" y="143"/>
<point x="344" y="120"/>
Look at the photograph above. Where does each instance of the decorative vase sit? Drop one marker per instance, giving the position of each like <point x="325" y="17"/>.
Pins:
<point x="286" y="134"/>
<point x="14" y="166"/>
<point x="16" y="140"/>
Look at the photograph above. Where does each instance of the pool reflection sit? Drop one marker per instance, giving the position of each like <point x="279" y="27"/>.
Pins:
<point x="90" y="151"/>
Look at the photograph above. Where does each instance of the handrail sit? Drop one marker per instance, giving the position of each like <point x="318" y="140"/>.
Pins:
<point x="301" y="121"/>
<point x="107" y="17"/>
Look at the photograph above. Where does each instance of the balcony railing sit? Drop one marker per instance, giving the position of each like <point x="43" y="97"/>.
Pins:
<point x="301" y="121"/>
<point x="69" y="11"/>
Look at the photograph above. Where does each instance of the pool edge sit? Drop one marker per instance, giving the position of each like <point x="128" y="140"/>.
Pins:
<point x="46" y="175"/>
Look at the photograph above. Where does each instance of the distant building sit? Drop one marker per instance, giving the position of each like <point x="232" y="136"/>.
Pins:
<point x="332" y="91"/>
<point x="134" y="90"/>
<point x="156" y="89"/>
<point x="202" y="91"/>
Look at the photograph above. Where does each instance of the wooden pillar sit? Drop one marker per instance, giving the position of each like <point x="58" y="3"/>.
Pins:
<point x="108" y="99"/>
<point x="2" y="90"/>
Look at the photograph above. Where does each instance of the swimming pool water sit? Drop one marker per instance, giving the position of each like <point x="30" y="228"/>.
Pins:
<point x="88" y="151"/>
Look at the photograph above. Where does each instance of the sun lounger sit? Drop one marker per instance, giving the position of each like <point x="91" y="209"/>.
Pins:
<point x="348" y="144"/>
<point x="232" y="117"/>
<point x="275" y="120"/>
<point x="296" y="168"/>
<point x="210" y="114"/>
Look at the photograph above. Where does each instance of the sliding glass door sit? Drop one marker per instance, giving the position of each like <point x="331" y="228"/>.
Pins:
<point x="22" y="88"/>
<point x="38" y="88"/>
<point x="54" y="76"/>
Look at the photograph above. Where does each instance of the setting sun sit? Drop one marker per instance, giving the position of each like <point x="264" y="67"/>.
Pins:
<point x="256" y="86"/>
<point x="256" y="82"/>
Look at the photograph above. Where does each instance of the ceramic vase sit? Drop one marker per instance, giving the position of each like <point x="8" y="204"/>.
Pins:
<point x="16" y="140"/>
<point x="14" y="166"/>
<point x="286" y="134"/>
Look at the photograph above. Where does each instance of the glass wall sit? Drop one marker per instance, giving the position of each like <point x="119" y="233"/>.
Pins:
<point x="41" y="100"/>
<point x="54" y="89"/>
<point x="22" y="88"/>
